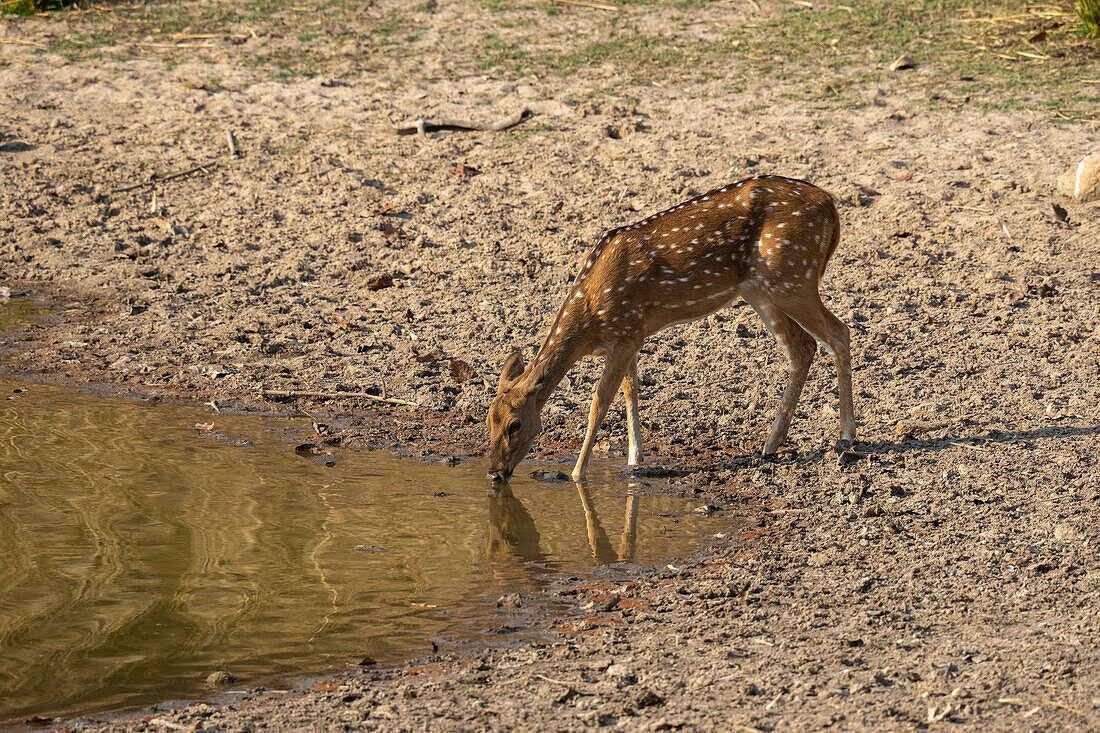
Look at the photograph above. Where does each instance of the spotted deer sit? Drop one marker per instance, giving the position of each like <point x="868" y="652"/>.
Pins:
<point x="766" y="239"/>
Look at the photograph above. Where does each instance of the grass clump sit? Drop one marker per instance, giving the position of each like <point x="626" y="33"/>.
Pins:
<point x="30" y="7"/>
<point x="1089" y="13"/>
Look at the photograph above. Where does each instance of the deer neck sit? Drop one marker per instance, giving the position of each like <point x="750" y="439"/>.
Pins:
<point x="563" y="347"/>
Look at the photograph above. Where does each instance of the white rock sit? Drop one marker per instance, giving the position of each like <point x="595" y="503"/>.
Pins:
<point x="1065" y="532"/>
<point x="1082" y="182"/>
<point x="621" y="672"/>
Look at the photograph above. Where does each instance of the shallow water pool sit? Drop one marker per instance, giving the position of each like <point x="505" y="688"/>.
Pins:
<point x="143" y="547"/>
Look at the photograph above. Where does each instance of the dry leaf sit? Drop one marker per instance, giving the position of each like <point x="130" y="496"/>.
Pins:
<point x="379" y="282"/>
<point x="461" y="371"/>
<point x="464" y="170"/>
<point x="341" y="322"/>
<point x="206" y="427"/>
<point x="1038" y="37"/>
<point x="864" y="195"/>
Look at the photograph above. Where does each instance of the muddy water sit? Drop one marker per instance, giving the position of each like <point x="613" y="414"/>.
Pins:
<point x="16" y="311"/>
<point x="139" y="553"/>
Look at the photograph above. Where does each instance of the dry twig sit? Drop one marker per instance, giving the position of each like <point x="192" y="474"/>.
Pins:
<point x="20" y="42"/>
<point x="581" y="3"/>
<point x="155" y="180"/>
<point x="422" y="125"/>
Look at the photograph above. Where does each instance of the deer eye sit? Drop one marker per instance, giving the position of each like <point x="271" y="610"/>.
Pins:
<point x="513" y="426"/>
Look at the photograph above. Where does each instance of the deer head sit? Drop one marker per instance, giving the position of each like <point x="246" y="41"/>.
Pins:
<point x="514" y="417"/>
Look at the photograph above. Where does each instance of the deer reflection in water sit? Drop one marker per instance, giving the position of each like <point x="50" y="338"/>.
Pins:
<point x="513" y="535"/>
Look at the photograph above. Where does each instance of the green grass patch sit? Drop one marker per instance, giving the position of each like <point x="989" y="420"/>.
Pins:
<point x="30" y="7"/>
<point x="639" y="52"/>
<point x="494" y="52"/>
<point x="1089" y="13"/>
<point x="1013" y="50"/>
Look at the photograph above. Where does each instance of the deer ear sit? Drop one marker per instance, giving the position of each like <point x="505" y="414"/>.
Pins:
<point x="540" y="374"/>
<point x="513" y="367"/>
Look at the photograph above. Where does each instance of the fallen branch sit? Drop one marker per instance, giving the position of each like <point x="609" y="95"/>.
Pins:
<point x="335" y="396"/>
<point x="422" y="126"/>
<point x="155" y="180"/>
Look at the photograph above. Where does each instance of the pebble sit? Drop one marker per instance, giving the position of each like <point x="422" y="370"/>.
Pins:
<point x="1082" y="182"/>
<point x="622" y="673"/>
<point x="545" y="475"/>
<point x="220" y="677"/>
<point x="1064" y="532"/>
<point x="509" y="600"/>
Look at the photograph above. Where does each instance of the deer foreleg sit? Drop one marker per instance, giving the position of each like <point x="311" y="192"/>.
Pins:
<point x="633" y="422"/>
<point x="614" y="369"/>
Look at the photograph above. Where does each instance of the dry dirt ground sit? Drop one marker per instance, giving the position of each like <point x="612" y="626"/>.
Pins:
<point x="949" y="579"/>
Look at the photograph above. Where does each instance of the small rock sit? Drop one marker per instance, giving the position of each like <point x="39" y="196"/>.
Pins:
<point x="369" y="548"/>
<point x="648" y="699"/>
<point x="220" y="677"/>
<point x="509" y="600"/>
<point x="863" y="585"/>
<point x="622" y="673"/>
<point x="379" y="282"/>
<point x="1082" y="182"/>
<point x="707" y="509"/>
<point x="544" y="475"/>
<point x="1064" y="532"/>
<point x="902" y="62"/>
<point x="5" y="292"/>
<point x="848" y="457"/>
<point x="383" y="711"/>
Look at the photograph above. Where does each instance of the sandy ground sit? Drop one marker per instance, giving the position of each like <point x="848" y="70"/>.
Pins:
<point x="948" y="579"/>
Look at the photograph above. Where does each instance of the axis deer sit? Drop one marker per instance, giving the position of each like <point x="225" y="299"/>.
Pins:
<point x="766" y="239"/>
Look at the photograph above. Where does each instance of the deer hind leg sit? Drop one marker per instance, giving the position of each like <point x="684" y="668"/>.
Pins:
<point x="835" y="336"/>
<point x="633" y="422"/>
<point x="614" y="370"/>
<point x="800" y="348"/>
